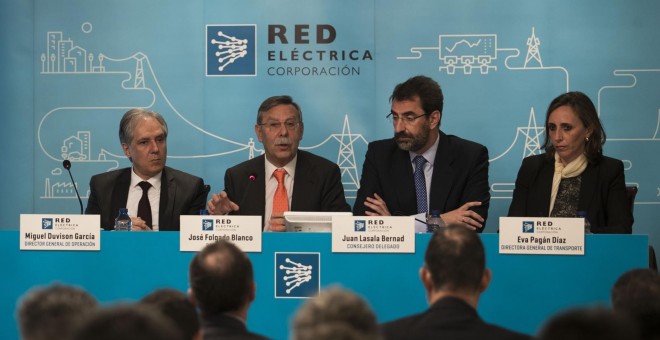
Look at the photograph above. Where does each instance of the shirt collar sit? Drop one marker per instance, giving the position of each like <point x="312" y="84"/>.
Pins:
<point x="429" y="154"/>
<point x="155" y="181"/>
<point x="289" y="167"/>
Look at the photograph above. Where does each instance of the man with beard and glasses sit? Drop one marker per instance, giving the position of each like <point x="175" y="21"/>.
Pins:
<point x="284" y="178"/>
<point x="422" y="169"/>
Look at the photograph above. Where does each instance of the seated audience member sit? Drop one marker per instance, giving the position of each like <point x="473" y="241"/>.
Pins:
<point x="637" y="294"/>
<point x="53" y="312"/>
<point x="176" y="305"/>
<point x="573" y="175"/>
<point x="128" y="322"/>
<point x="284" y="178"/>
<point x="335" y="314"/>
<point x="154" y="194"/>
<point x="589" y="324"/>
<point x="222" y="286"/>
<point x="422" y="169"/>
<point x="454" y="275"/>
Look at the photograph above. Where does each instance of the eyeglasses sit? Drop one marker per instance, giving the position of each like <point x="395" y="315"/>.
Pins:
<point x="290" y="125"/>
<point x="407" y="118"/>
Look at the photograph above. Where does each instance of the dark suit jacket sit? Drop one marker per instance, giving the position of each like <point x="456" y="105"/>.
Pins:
<point x="317" y="186"/>
<point x="447" y="318"/>
<point x="602" y="193"/>
<point x="226" y="327"/>
<point x="180" y="194"/>
<point x="460" y="175"/>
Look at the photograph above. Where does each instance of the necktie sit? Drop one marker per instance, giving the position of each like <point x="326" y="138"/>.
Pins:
<point x="280" y="199"/>
<point x="144" y="207"/>
<point x="420" y="184"/>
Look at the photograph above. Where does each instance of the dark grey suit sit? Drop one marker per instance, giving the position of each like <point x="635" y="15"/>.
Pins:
<point x="602" y="193"/>
<point x="226" y="327"/>
<point x="180" y="194"/>
<point x="317" y="186"/>
<point x="447" y="318"/>
<point x="460" y="175"/>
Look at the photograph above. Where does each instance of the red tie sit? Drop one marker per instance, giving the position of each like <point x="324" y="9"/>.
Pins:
<point x="280" y="199"/>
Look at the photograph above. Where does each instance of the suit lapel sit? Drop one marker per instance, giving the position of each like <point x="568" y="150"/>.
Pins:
<point x="443" y="174"/>
<point x="120" y="193"/>
<point x="304" y="180"/>
<point x="167" y="198"/>
<point x="401" y="175"/>
<point x="542" y="193"/>
<point x="588" y="187"/>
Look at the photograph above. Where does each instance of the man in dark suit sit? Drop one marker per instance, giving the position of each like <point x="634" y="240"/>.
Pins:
<point x="308" y="182"/>
<point x="452" y="177"/>
<point x="167" y="193"/>
<point x="222" y="286"/>
<point x="454" y="275"/>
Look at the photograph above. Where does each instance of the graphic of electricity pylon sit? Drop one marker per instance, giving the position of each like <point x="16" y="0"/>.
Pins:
<point x="533" y="49"/>
<point x="139" y="71"/>
<point x="532" y="134"/>
<point x="346" y="160"/>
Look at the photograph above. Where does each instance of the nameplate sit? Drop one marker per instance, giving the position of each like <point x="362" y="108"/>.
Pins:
<point x="542" y="235"/>
<point x="199" y="230"/>
<point x="60" y="232"/>
<point x="364" y="234"/>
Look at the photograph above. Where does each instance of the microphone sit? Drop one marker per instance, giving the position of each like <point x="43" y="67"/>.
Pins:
<point x="67" y="165"/>
<point x="251" y="178"/>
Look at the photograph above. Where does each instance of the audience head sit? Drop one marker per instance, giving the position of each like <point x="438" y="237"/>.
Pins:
<point x="221" y="279"/>
<point x="53" y="312"/>
<point x="589" y="324"/>
<point x="455" y="261"/>
<point x="143" y="137"/>
<point x="415" y="113"/>
<point x="335" y="314"/>
<point x="637" y="294"/>
<point x="128" y="322"/>
<point x="280" y="129"/>
<point x="176" y="306"/>
<point x="574" y="115"/>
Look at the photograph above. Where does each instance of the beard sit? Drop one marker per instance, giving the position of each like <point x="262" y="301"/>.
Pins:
<point x="410" y="142"/>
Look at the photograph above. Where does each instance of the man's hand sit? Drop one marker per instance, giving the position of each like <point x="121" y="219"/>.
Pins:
<point x="277" y="223"/>
<point x="377" y="204"/>
<point x="138" y="224"/>
<point x="220" y="204"/>
<point x="464" y="216"/>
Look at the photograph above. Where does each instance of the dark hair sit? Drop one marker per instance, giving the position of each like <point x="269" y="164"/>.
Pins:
<point x="427" y="89"/>
<point x="273" y="101"/>
<point x="588" y="324"/>
<point x="53" y="312"/>
<point x="128" y="322"/>
<point x="220" y="278"/>
<point x="130" y="120"/>
<point x="456" y="259"/>
<point x="176" y="306"/>
<point x="585" y="110"/>
<point x="637" y="294"/>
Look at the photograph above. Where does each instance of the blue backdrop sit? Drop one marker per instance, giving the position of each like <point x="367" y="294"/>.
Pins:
<point x="71" y="68"/>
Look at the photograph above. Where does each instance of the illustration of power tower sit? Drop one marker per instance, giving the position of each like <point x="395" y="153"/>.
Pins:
<point x="533" y="49"/>
<point x="139" y="71"/>
<point x="532" y="136"/>
<point x="346" y="160"/>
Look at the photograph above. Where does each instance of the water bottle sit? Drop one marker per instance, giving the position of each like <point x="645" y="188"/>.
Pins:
<point x="434" y="221"/>
<point x="123" y="221"/>
<point x="587" y="225"/>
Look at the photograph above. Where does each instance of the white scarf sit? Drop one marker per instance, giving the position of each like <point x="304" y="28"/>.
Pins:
<point x="572" y="169"/>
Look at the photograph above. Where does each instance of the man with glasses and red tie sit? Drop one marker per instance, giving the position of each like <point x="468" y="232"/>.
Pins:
<point x="284" y="178"/>
<point x="423" y="170"/>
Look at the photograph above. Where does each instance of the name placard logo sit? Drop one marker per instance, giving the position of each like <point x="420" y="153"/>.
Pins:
<point x="528" y="226"/>
<point x="207" y="225"/>
<point x="361" y="226"/>
<point x="47" y="223"/>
